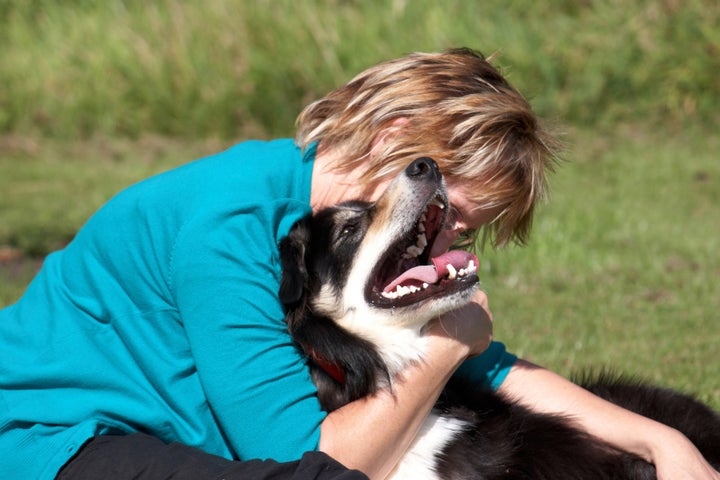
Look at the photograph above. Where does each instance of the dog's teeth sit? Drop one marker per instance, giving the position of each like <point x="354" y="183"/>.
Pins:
<point x="437" y="203"/>
<point x="453" y="273"/>
<point x="421" y="223"/>
<point x="414" y="250"/>
<point x="422" y="241"/>
<point x="401" y="291"/>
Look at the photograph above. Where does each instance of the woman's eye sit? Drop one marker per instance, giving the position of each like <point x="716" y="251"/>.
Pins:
<point x="466" y="239"/>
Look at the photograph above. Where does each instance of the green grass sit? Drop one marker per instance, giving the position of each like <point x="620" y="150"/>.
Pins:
<point x="50" y="187"/>
<point x="229" y="67"/>
<point x="623" y="268"/>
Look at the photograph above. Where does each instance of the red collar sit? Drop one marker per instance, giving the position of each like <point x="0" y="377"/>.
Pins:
<point x="332" y="369"/>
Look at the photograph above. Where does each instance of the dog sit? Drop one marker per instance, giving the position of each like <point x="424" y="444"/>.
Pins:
<point x="359" y="289"/>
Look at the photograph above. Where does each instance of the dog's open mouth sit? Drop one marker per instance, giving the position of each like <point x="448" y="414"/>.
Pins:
<point x="407" y="274"/>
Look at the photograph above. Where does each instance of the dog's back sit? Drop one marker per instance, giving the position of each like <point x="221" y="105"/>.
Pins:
<point x="508" y="441"/>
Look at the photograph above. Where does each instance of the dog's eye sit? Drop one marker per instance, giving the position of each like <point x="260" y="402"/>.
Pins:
<point x="349" y="224"/>
<point x="348" y="229"/>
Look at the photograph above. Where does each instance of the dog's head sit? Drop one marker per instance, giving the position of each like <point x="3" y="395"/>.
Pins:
<point x="366" y="266"/>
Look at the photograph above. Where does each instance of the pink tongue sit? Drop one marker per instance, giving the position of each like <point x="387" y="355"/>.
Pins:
<point x="432" y="273"/>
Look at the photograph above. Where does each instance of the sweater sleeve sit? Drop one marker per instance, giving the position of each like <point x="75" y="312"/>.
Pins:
<point x="225" y="277"/>
<point x="490" y="368"/>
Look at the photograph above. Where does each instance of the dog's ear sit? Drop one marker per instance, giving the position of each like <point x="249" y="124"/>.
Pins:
<point x="295" y="277"/>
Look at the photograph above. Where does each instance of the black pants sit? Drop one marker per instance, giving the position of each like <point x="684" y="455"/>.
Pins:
<point x="143" y="457"/>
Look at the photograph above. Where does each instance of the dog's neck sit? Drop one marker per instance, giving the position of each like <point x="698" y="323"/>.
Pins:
<point x="397" y="347"/>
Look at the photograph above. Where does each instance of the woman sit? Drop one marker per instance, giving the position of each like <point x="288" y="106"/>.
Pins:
<point x="160" y="322"/>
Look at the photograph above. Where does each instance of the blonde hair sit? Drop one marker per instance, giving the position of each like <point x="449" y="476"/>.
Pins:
<point x="461" y="111"/>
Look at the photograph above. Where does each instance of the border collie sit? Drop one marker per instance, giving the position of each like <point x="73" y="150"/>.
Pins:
<point x="359" y="288"/>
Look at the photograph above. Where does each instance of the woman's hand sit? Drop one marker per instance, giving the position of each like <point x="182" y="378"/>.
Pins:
<point x="470" y="325"/>
<point x="675" y="457"/>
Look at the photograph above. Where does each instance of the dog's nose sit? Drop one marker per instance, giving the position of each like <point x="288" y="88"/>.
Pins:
<point x="423" y="167"/>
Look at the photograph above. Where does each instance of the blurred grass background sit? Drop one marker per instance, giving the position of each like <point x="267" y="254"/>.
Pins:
<point x="623" y="268"/>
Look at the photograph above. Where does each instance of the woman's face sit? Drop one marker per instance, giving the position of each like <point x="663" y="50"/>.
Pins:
<point x="464" y="216"/>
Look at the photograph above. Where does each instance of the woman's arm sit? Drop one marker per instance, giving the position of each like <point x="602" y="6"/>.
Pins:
<point x="392" y="419"/>
<point x="672" y="453"/>
<point x="388" y="420"/>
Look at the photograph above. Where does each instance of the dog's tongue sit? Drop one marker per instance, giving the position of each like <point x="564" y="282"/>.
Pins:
<point x="432" y="273"/>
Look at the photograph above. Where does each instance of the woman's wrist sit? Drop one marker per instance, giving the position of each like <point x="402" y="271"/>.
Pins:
<point x="661" y="441"/>
<point x="468" y="330"/>
<point x="443" y="347"/>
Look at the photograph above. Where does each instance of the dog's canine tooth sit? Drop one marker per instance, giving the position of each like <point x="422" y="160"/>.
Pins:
<point x="470" y="268"/>
<point x="436" y="202"/>
<point x="452" y="273"/>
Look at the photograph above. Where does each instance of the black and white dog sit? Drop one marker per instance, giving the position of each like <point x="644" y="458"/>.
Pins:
<point x="359" y="288"/>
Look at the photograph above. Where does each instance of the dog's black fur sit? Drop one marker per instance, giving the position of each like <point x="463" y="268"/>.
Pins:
<point x="504" y="440"/>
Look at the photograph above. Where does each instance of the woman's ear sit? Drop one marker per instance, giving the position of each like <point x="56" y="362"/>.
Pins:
<point x="387" y="134"/>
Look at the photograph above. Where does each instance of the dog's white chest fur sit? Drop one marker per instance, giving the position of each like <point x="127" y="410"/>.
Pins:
<point x="419" y="461"/>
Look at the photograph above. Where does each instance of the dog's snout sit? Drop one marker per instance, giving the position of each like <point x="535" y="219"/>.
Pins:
<point x="424" y="167"/>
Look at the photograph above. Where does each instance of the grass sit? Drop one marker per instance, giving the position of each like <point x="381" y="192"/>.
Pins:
<point x="622" y="270"/>
<point x="123" y="67"/>
<point x="52" y="186"/>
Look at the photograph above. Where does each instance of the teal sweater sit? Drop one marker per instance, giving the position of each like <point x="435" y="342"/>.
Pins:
<point x="162" y="316"/>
